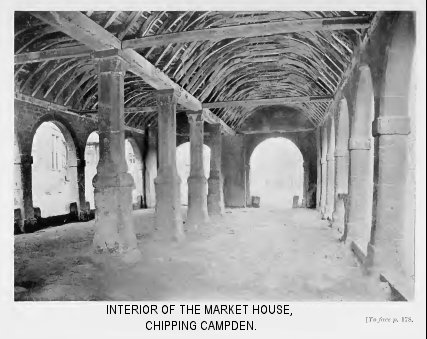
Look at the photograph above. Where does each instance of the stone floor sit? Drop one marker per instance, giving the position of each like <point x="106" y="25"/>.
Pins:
<point x="249" y="254"/>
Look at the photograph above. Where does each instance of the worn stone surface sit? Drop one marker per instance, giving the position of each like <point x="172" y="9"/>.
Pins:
<point x="224" y="260"/>
<point x="167" y="182"/>
<point x="197" y="183"/>
<point x="113" y="185"/>
<point x="215" y="181"/>
<point x="233" y="169"/>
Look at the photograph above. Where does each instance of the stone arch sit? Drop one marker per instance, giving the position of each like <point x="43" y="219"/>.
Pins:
<point x="361" y="164"/>
<point x="392" y="236"/>
<point x="55" y="183"/>
<point x="65" y="128"/>
<point x="136" y="169"/>
<point x="341" y="164"/>
<point x="293" y="188"/>
<point x="183" y="167"/>
<point x="306" y="143"/>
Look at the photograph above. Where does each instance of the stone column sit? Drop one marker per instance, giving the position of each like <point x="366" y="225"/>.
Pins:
<point x="27" y="189"/>
<point x="319" y="169"/>
<point x="341" y="187"/>
<point x="197" y="195"/>
<point x="113" y="185"/>
<point x="306" y="187"/>
<point x="387" y="238"/>
<point x="215" y="194"/>
<point x="167" y="182"/>
<point x="323" y="164"/>
<point x="359" y="208"/>
<point x="248" y="196"/>
<point x="330" y="190"/>
<point x="81" y="164"/>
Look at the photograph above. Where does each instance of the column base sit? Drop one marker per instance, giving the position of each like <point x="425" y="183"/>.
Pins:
<point x="114" y="233"/>
<point x="168" y="205"/>
<point x="215" y="200"/>
<point x="197" y="201"/>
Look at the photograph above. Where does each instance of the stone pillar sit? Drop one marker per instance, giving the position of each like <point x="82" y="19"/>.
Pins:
<point x="197" y="183"/>
<point x="319" y="169"/>
<point x="341" y="187"/>
<point x="323" y="163"/>
<point x="330" y="190"/>
<point x="27" y="187"/>
<point x="215" y="194"/>
<point x="306" y="188"/>
<point x="81" y="164"/>
<point x="247" y="173"/>
<point x="167" y="182"/>
<point x="387" y="238"/>
<point x="113" y="185"/>
<point x="359" y="204"/>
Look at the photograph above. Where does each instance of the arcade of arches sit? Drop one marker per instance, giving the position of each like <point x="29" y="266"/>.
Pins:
<point x="157" y="151"/>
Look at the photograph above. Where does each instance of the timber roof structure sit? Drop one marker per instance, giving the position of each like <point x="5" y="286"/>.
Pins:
<point x="224" y="62"/>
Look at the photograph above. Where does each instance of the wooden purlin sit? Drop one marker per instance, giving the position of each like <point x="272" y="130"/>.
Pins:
<point x="269" y="101"/>
<point x="250" y="30"/>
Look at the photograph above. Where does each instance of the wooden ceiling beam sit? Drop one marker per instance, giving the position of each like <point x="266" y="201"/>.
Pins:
<point x="272" y="101"/>
<point x="79" y="27"/>
<point x="250" y="30"/>
<point x="52" y="54"/>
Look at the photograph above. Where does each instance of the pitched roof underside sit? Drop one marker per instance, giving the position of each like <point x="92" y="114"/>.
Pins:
<point x="307" y="63"/>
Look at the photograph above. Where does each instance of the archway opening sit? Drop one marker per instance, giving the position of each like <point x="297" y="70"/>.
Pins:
<point x="135" y="168"/>
<point x="54" y="169"/>
<point x="183" y="164"/>
<point x="276" y="173"/>
<point x="91" y="158"/>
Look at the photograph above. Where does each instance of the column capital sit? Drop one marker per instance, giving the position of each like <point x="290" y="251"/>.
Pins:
<point x="215" y="128"/>
<point x="359" y="143"/>
<point x="195" y="116"/>
<point x="110" y="61"/>
<point x="391" y="125"/>
<point x="166" y="97"/>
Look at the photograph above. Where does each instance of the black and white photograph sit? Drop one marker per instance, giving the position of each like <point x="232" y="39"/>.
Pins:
<point x="179" y="154"/>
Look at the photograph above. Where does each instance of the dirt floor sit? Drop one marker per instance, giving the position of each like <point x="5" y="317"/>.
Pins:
<point x="249" y="254"/>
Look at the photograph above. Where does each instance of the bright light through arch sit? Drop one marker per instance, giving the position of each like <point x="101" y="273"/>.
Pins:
<point x="276" y="173"/>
